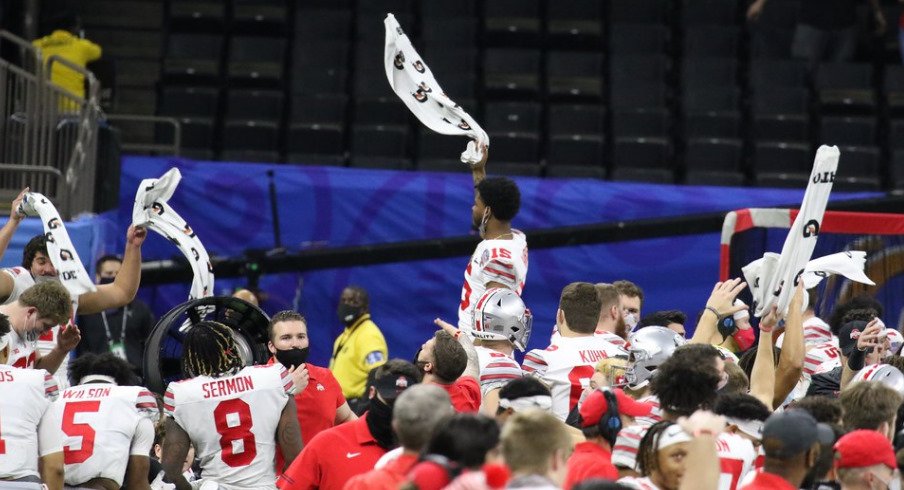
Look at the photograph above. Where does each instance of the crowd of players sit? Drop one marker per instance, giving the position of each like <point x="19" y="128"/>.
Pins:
<point x="617" y="399"/>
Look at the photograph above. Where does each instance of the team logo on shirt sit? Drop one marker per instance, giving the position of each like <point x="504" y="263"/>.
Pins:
<point x="484" y="258"/>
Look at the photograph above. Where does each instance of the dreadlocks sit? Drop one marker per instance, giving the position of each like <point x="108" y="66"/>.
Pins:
<point x="209" y="350"/>
<point x="647" y="459"/>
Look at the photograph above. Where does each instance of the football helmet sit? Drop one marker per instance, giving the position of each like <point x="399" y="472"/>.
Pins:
<point x="501" y="315"/>
<point x="649" y="347"/>
<point x="883" y="373"/>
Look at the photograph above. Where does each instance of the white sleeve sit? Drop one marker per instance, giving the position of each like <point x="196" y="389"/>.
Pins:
<point x="143" y="439"/>
<point x="50" y="432"/>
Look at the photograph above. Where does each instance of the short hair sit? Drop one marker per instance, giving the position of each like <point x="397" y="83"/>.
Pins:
<point x="686" y="382"/>
<point x="749" y="357"/>
<point x="854" y="476"/>
<point x="501" y="195"/>
<point x="530" y="438"/>
<point x="417" y="411"/>
<point x="106" y="364"/>
<point x="824" y="409"/>
<point x="36" y="244"/>
<point x="284" y="316"/>
<point x="741" y="406"/>
<point x="449" y="357"/>
<point x="361" y="293"/>
<point x="867" y="404"/>
<point x="209" y="349"/>
<point x="836" y="319"/>
<point x="608" y="295"/>
<point x="523" y="387"/>
<point x="859" y="314"/>
<point x="647" y="452"/>
<point x="662" y="318"/>
<point x="464" y="438"/>
<point x="581" y="305"/>
<point x="738" y="381"/>
<point x="812" y="298"/>
<point x="629" y="289"/>
<point x="896" y="361"/>
<point x="106" y="258"/>
<point x="51" y="300"/>
<point x="5" y="326"/>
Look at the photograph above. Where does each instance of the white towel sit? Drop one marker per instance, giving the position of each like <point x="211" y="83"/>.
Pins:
<point x="63" y="256"/>
<point x="152" y="210"/>
<point x="777" y="284"/>
<point x="848" y="264"/>
<point x="411" y="79"/>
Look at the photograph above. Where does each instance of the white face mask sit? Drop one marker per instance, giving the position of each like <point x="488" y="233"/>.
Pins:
<point x="630" y="320"/>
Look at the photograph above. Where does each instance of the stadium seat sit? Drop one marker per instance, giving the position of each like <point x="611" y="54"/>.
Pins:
<point x="369" y="27"/>
<point x="254" y="105"/>
<point x="566" y="152"/>
<point x="319" y="109"/>
<point x="512" y="72"/>
<point x="772" y="34"/>
<point x="571" y="119"/>
<point x="651" y="175"/>
<point x="633" y="69"/>
<point x="845" y="88"/>
<point x="252" y="141"/>
<point x="256" y="59"/>
<point x="710" y="12"/>
<point x="642" y="153"/>
<point x="325" y="5"/>
<point x="856" y="184"/>
<point x="780" y="114"/>
<point x="856" y="131"/>
<point x="896" y="134"/>
<point x="197" y="15"/>
<point x="118" y="43"/>
<point x="777" y="158"/>
<point x="512" y="117"/>
<point x="382" y="111"/>
<point x="323" y="25"/>
<point x="638" y="39"/>
<point x="512" y="22"/>
<point x="894" y="89"/>
<point x="370" y="74"/>
<point x="122" y="14"/>
<point x="897" y="169"/>
<point x="380" y="147"/>
<point x="711" y="42"/>
<point x="713" y="155"/>
<point x="320" y="68"/>
<point x="451" y="62"/>
<point x="575" y="76"/>
<point x="382" y="7"/>
<point x="449" y="9"/>
<point x="190" y="101"/>
<point x="193" y="56"/>
<point x="645" y="96"/>
<point x="259" y="16"/>
<point x="711" y="112"/>
<point x="650" y="123"/>
<point x="859" y="162"/>
<point x="439" y="153"/>
<point x="453" y="32"/>
<point x="316" y="144"/>
<point x="197" y="136"/>
<point x="520" y="151"/>
<point x="725" y="179"/>
<point x="638" y="11"/>
<point x="575" y="23"/>
<point x="769" y="73"/>
<point x="709" y="72"/>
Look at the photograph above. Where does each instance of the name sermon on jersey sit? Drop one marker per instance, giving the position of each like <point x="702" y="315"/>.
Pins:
<point x="222" y="387"/>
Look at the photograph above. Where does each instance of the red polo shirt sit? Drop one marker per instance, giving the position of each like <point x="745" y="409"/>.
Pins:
<point x="316" y="405"/>
<point x="332" y="458"/>
<point x="388" y="477"/>
<point x="768" y="481"/>
<point x="589" y="460"/>
<point x="465" y="394"/>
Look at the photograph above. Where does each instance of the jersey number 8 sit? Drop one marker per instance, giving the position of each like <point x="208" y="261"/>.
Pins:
<point x="230" y="433"/>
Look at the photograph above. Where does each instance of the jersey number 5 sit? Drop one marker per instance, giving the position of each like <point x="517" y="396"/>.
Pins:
<point x="579" y="376"/>
<point x="73" y="429"/>
<point x="225" y="416"/>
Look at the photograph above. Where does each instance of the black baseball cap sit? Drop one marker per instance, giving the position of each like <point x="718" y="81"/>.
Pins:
<point x="789" y="433"/>
<point x="391" y="384"/>
<point x="848" y="335"/>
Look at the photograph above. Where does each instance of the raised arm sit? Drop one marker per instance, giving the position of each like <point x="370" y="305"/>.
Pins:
<point x="791" y="359"/>
<point x="15" y="217"/>
<point x="762" y="376"/>
<point x="473" y="368"/>
<point x="868" y="340"/>
<point x="720" y="302"/>
<point x="124" y="288"/>
<point x="479" y="170"/>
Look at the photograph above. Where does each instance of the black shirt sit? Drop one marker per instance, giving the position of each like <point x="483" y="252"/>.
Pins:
<point x="138" y="322"/>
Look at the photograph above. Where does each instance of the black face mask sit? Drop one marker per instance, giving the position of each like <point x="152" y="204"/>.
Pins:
<point x="379" y="422"/>
<point x="348" y="313"/>
<point x="292" y="357"/>
<point x="106" y="280"/>
<point x="420" y="365"/>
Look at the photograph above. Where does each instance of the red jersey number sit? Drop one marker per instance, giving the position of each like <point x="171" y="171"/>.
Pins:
<point x="231" y="433"/>
<point x="73" y="429"/>
<point x="577" y="377"/>
<point x="466" y="292"/>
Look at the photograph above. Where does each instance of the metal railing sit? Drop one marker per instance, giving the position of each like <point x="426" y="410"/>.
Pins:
<point x="169" y="126"/>
<point x="48" y="135"/>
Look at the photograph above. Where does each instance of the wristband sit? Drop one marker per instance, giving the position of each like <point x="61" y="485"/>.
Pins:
<point x="856" y="360"/>
<point x="704" y="431"/>
<point x="715" y="312"/>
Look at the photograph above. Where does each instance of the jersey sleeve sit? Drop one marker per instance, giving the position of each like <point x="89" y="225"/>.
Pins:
<point x="143" y="439"/>
<point x="498" y="372"/>
<point x="169" y="402"/>
<point x="501" y="270"/>
<point x="534" y="363"/>
<point x="624" y="454"/>
<point x="50" y="436"/>
<point x="146" y="404"/>
<point x="51" y="387"/>
<point x="285" y="379"/>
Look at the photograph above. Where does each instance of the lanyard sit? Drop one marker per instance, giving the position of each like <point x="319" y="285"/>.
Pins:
<point x="122" y="332"/>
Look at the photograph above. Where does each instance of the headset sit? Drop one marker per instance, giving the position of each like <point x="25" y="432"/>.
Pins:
<point x="610" y="423"/>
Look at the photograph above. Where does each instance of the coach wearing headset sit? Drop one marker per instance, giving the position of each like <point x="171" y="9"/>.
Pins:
<point x="603" y="413"/>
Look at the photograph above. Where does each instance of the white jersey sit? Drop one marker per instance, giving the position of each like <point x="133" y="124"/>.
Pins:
<point x="567" y="368"/>
<point x="104" y="424"/>
<point x="502" y="261"/>
<point x="638" y="483"/>
<point x="736" y="458"/>
<point x="602" y="334"/>
<point x="29" y="421"/>
<point x="232" y="422"/>
<point x="655" y="415"/>
<point x="821" y="358"/>
<point x="496" y="369"/>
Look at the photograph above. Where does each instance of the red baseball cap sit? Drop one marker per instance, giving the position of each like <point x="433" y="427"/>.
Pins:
<point x="862" y="448"/>
<point x="595" y="405"/>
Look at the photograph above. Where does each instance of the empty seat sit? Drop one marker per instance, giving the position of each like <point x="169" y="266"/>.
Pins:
<point x="710" y="12"/>
<point x="512" y="22"/>
<point x="513" y="117"/>
<point x="894" y="88"/>
<point x="843" y="88"/>
<point x="382" y="7"/>
<point x="449" y="9"/>
<point x="646" y="96"/>
<point x="638" y="11"/>
<point x="780" y="114"/>
<point x="575" y="23"/>
<point x="118" y="43"/>
<point x="651" y="175"/>
<point x="254" y="58"/>
<point x="254" y="105"/>
<point x="319" y="109"/>
<point x="856" y="131"/>
<point x="896" y="133"/>
<point x="773" y="32"/>
<point x="439" y="152"/>
<point x="769" y="73"/>
<point x="193" y="55"/>
<point x="316" y="144"/>
<point x="371" y="29"/>
<point x="370" y="73"/>
<point x="778" y="158"/>
<point x="320" y="68"/>
<point x="512" y="72"/>
<point x="519" y="151"/>
<point x="197" y="15"/>
<point x="723" y="179"/>
<point x="572" y="75"/>
<point x="859" y="161"/>
<point x="575" y="150"/>
<point x="897" y="169"/>
<point x="251" y="141"/>
<point x="711" y="42"/>
<point x="569" y="119"/>
<point x="634" y="69"/>
<point x="713" y="155"/>
<point x="449" y="32"/>
<point x="451" y="62"/>
<point x="783" y="180"/>
<point x="712" y="112"/>
<point x="633" y="39"/>
<point x="649" y="123"/>
<point x="123" y="14"/>
<point x="264" y="16"/>
<point x="381" y="111"/>
<point x="190" y="101"/>
<point x="323" y="25"/>
<point x="709" y="72"/>
<point x="642" y="153"/>
<point x="380" y="147"/>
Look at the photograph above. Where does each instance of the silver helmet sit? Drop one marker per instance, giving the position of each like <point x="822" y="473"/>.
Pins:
<point x="649" y="347"/>
<point x="501" y="315"/>
<point x="883" y="373"/>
